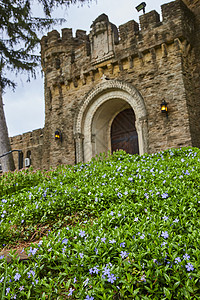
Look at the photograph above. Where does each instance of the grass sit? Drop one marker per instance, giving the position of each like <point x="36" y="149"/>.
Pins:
<point x="118" y="227"/>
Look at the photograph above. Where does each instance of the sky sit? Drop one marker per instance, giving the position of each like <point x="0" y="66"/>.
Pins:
<point x="24" y="108"/>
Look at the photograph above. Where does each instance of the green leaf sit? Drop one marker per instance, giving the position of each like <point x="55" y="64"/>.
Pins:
<point x="167" y="293"/>
<point x="167" y="278"/>
<point x="176" y="284"/>
<point x="29" y="294"/>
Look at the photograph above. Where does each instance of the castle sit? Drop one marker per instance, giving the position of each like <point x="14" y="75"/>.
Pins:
<point x="104" y="91"/>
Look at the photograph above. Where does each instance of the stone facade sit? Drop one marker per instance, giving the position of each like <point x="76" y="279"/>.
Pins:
<point x="31" y="144"/>
<point x="90" y="79"/>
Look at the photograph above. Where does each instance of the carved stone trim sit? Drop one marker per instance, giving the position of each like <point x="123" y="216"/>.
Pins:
<point x="96" y="99"/>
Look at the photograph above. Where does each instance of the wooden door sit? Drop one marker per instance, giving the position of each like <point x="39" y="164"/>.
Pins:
<point x="123" y="132"/>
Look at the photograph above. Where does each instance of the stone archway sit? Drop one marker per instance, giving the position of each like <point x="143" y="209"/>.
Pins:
<point x="92" y="127"/>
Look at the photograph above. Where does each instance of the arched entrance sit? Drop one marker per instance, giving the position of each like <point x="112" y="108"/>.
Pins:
<point x="96" y="114"/>
<point x="123" y="132"/>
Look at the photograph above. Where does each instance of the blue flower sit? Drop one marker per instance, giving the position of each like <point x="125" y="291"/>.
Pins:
<point x="112" y="241"/>
<point x="86" y="282"/>
<point x="7" y="291"/>
<point x="177" y="260"/>
<point x="17" y="276"/>
<point x="81" y="255"/>
<point x="122" y="245"/>
<point x="189" y="267"/>
<point x="123" y="254"/>
<point x="103" y="239"/>
<point x="65" y="241"/>
<point x="106" y="271"/>
<point x="95" y="270"/>
<point x="165" y="218"/>
<point x="89" y="298"/>
<point x="2" y="279"/>
<point x="186" y="256"/>
<point x="165" y="234"/>
<point x="31" y="272"/>
<point x="163" y="244"/>
<point x="33" y="251"/>
<point x="143" y="278"/>
<point x="111" y="278"/>
<point x="82" y="233"/>
<point x="176" y="220"/>
<point x="164" y="195"/>
<point x="70" y="292"/>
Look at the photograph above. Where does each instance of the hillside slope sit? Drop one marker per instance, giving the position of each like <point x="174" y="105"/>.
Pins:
<point x="121" y="227"/>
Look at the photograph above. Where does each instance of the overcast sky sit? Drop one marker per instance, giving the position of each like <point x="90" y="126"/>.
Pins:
<point x="24" y="108"/>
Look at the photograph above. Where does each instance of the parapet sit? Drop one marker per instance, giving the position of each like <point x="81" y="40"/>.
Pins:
<point x="106" y="42"/>
<point x="27" y="139"/>
<point x="126" y="29"/>
<point x="150" y="20"/>
<point x="53" y="38"/>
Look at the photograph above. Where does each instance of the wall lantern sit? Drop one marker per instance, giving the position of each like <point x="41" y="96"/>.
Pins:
<point x="141" y="6"/>
<point x="58" y="135"/>
<point x="164" y="108"/>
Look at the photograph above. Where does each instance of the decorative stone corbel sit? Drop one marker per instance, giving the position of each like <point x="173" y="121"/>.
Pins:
<point x="130" y="60"/>
<point x="110" y="68"/>
<point x="92" y="75"/>
<point x="164" y="50"/>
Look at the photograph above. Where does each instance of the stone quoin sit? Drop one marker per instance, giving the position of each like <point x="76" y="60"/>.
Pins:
<point x="104" y="90"/>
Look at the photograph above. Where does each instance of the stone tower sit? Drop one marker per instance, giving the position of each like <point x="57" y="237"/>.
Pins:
<point x="103" y="91"/>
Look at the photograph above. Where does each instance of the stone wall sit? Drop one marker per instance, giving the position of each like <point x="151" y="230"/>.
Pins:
<point x="157" y="59"/>
<point x="31" y="144"/>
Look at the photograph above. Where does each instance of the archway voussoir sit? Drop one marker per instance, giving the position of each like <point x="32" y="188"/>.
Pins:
<point x="109" y="92"/>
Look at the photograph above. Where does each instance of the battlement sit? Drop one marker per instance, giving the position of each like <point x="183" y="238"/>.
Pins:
<point x="69" y="59"/>
<point x="171" y="12"/>
<point x="27" y="139"/>
<point x="53" y="38"/>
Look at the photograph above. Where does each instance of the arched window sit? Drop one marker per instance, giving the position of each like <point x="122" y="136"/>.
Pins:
<point x="28" y="154"/>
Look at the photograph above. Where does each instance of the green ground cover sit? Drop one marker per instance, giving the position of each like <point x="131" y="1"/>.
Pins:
<point x="121" y="227"/>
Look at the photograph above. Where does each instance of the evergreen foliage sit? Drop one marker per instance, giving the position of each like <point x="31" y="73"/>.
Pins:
<point x="20" y="34"/>
<point x="118" y="227"/>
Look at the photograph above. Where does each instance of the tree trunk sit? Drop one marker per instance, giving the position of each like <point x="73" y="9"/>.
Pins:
<point x="7" y="162"/>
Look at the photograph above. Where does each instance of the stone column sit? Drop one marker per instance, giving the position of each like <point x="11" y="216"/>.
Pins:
<point x="142" y="131"/>
<point x="79" y="147"/>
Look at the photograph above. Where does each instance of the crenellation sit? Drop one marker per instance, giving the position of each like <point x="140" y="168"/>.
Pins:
<point x="128" y="30"/>
<point x="85" y="50"/>
<point x="67" y="34"/>
<point x="150" y="20"/>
